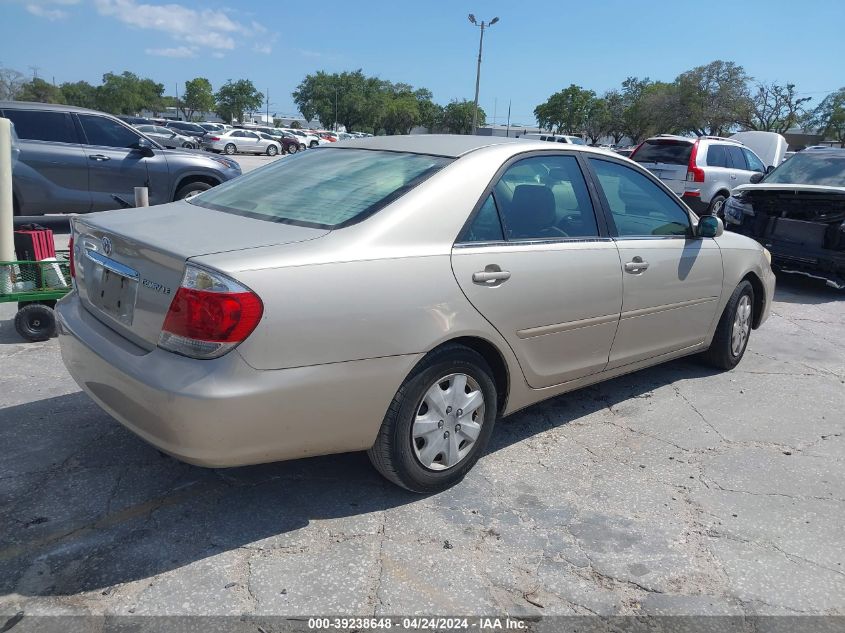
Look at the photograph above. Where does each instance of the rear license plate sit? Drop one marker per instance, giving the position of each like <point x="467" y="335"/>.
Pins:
<point x="113" y="293"/>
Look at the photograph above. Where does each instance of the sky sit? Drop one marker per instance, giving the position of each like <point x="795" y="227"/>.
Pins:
<point x="536" y="48"/>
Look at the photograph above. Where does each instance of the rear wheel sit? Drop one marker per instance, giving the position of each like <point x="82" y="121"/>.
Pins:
<point x="717" y="206"/>
<point x="439" y="422"/>
<point x="35" y="322"/>
<point x="230" y="149"/>
<point x="734" y="329"/>
<point x="314" y="144"/>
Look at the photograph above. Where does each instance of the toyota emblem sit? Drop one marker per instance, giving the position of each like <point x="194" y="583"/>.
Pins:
<point x="107" y="246"/>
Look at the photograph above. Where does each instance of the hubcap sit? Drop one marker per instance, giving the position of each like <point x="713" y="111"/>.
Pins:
<point x="448" y="421"/>
<point x="741" y="326"/>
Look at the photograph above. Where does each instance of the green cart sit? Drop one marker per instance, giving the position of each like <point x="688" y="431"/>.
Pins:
<point x="35" y="286"/>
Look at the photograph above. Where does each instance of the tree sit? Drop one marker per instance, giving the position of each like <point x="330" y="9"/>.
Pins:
<point x="80" y="93"/>
<point x="649" y="107"/>
<point x="236" y="97"/>
<point x="597" y="121"/>
<point x="457" y="116"/>
<point x="295" y="125"/>
<point x="41" y="91"/>
<point x="615" y="115"/>
<point x="10" y="84"/>
<point x="829" y="117"/>
<point x="712" y="98"/>
<point x="198" y="97"/>
<point x="774" y="108"/>
<point x="565" y="110"/>
<point x="127" y="93"/>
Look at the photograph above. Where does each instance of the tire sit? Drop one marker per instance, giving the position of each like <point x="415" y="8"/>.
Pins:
<point x="191" y="189"/>
<point x="272" y="150"/>
<point x="725" y="350"/>
<point x="302" y="147"/>
<point x="717" y="206"/>
<point x="230" y="149"/>
<point x="314" y="144"/>
<point x="36" y="322"/>
<point x="400" y="457"/>
<point x="293" y="148"/>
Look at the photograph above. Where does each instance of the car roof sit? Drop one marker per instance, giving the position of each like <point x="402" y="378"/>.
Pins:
<point x="50" y="107"/>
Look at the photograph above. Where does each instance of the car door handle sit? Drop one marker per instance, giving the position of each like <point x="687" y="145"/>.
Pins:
<point x="491" y="276"/>
<point x="636" y="266"/>
<point x="733" y="176"/>
<point x="99" y="157"/>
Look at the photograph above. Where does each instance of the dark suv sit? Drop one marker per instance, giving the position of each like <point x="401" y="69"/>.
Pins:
<point x="74" y="160"/>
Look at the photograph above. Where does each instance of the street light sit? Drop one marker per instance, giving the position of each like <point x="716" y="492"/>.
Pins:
<point x="482" y="26"/>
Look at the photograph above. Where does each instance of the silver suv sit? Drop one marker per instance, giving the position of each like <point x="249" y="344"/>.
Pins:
<point x="74" y="160"/>
<point x="702" y="171"/>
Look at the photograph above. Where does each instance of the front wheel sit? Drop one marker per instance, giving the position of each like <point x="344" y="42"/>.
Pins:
<point x="734" y="329"/>
<point x="292" y="148"/>
<point x="717" y="206"/>
<point x="439" y="422"/>
<point x="314" y="144"/>
<point x="272" y="150"/>
<point x="191" y="189"/>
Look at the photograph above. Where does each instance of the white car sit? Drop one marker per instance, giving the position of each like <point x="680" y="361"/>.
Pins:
<point x="310" y="140"/>
<point x="240" y="141"/>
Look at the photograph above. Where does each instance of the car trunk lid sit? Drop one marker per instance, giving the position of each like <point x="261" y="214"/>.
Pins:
<point x="128" y="269"/>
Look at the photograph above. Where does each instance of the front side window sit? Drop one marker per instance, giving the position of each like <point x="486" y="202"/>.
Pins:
<point x="107" y="133"/>
<point x="638" y="206"/>
<point x="754" y="163"/>
<point x="324" y="188"/>
<point x="35" y="125"/>
<point x="545" y="197"/>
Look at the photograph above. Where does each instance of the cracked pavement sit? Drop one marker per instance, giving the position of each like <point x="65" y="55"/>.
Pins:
<point x="675" y="490"/>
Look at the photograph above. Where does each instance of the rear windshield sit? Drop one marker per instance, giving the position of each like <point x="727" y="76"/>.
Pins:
<point x="664" y="151"/>
<point x="322" y="188"/>
<point x="811" y="168"/>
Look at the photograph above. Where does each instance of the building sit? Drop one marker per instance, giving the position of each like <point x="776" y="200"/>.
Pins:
<point x="514" y="130"/>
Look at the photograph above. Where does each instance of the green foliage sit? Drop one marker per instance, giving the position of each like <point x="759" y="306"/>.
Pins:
<point x="81" y="94"/>
<point x="457" y="116"/>
<point x="829" y="117"/>
<point x="127" y="93"/>
<point x="565" y="111"/>
<point x="236" y="97"/>
<point x="774" y="108"/>
<point x="40" y="91"/>
<point x="712" y="98"/>
<point x="597" y="121"/>
<point x="615" y="103"/>
<point x="198" y="97"/>
<point x="295" y="125"/>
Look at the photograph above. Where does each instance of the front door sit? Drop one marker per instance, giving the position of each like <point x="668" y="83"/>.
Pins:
<point x="672" y="281"/>
<point x="114" y="167"/>
<point x="535" y="264"/>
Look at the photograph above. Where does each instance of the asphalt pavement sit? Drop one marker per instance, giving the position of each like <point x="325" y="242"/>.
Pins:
<point x="674" y="490"/>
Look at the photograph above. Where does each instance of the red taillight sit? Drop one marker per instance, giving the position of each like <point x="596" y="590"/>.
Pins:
<point x="694" y="173"/>
<point x="209" y="315"/>
<point x="214" y="138"/>
<point x="636" y="149"/>
<point x="71" y="258"/>
<point x="214" y="317"/>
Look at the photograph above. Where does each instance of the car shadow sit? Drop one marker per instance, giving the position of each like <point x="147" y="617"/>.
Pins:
<point x="793" y="288"/>
<point x="85" y="504"/>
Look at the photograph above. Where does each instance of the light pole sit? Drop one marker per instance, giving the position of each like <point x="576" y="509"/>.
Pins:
<point x="482" y="26"/>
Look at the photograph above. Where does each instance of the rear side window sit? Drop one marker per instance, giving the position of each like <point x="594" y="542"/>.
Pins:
<point x="736" y="158"/>
<point x="107" y="133"/>
<point x="638" y="206"/>
<point x="664" y="151"/>
<point x="717" y="156"/>
<point x="324" y="188"/>
<point x="486" y="227"/>
<point x="35" y="125"/>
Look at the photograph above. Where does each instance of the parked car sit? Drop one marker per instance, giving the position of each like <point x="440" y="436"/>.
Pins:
<point x="624" y="151"/>
<point x="555" y="138"/>
<point x="188" y="129"/>
<point x="798" y="213"/>
<point x="400" y="296"/>
<point x="75" y="160"/>
<point x="309" y="140"/>
<point x="136" y="120"/>
<point x="287" y="145"/>
<point x="702" y="170"/>
<point x="241" y="140"/>
<point x="212" y="127"/>
<point x="168" y="137"/>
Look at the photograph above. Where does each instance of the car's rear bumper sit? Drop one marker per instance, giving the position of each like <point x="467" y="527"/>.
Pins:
<point x="223" y="412"/>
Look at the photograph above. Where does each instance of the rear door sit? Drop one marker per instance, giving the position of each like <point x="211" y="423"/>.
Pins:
<point x="668" y="159"/>
<point x="537" y="263"/>
<point x="52" y="173"/>
<point x="672" y="281"/>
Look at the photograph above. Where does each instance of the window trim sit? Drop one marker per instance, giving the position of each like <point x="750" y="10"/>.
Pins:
<point x="601" y="222"/>
<point x="614" y="231"/>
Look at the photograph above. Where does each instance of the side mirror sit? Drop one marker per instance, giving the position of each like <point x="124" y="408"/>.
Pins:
<point x="144" y="147"/>
<point x="756" y="177"/>
<point x="710" y="226"/>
